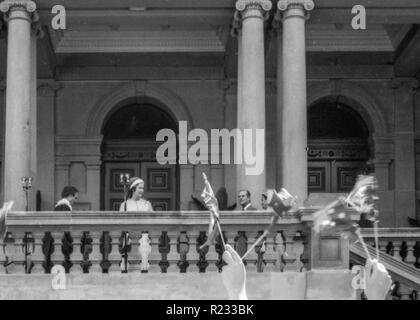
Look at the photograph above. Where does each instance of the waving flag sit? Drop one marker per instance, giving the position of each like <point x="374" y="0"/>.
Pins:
<point x="333" y="216"/>
<point x="363" y="196"/>
<point x="281" y="202"/>
<point x="212" y="204"/>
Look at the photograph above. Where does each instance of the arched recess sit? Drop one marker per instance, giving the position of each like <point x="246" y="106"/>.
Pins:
<point x="136" y="92"/>
<point x="354" y="96"/>
<point x="136" y="155"/>
<point x="334" y="160"/>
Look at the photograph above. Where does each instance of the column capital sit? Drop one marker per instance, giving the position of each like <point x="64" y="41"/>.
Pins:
<point x="242" y="5"/>
<point x="253" y="8"/>
<point x="408" y="83"/>
<point x="24" y="9"/>
<point x="284" y="5"/>
<point x="28" y="5"/>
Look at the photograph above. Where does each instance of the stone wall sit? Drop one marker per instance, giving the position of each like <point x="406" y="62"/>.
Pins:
<point x="260" y="286"/>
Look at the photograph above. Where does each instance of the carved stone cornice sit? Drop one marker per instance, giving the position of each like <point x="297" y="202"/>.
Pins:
<point x="408" y="83"/>
<point x="26" y="5"/>
<point x="306" y="5"/>
<point x="253" y="8"/>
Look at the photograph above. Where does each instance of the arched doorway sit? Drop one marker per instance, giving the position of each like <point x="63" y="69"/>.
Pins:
<point x="129" y="146"/>
<point x="339" y="146"/>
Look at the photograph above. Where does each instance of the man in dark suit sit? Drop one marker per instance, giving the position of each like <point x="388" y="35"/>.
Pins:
<point x="69" y="195"/>
<point x="245" y="200"/>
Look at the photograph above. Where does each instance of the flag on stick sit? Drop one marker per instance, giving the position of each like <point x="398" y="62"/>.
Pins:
<point x="363" y="196"/>
<point x="333" y="216"/>
<point x="212" y="204"/>
<point x="281" y="202"/>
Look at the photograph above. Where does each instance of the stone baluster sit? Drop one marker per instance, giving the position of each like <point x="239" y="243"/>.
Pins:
<point x="289" y="255"/>
<point x="48" y="250"/>
<point x="145" y="250"/>
<point x="105" y="247"/>
<point x="10" y="251"/>
<point x="19" y="256"/>
<point x="115" y="255"/>
<point x="155" y="255"/>
<point x="173" y="253"/>
<point x="164" y="249"/>
<point x="212" y="258"/>
<point x="403" y="252"/>
<point x="252" y="257"/>
<point x="270" y="253"/>
<point x="218" y="247"/>
<point x="193" y="256"/>
<point x="86" y="245"/>
<point x="2" y="257"/>
<point x="77" y="255"/>
<point x="38" y="255"/>
<point x="260" y="250"/>
<point x="410" y="252"/>
<point x="389" y="249"/>
<point x="241" y="245"/>
<point x="67" y="250"/>
<point x="202" y="262"/>
<point x="125" y="245"/>
<point x="183" y="248"/>
<point x="280" y="250"/>
<point x="57" y="257"/>
<point x="304" y="258"/>
<point x="416" y="253"/>
<point x="28" y="248"/>
<point x="404" y="292"/>
<point x="133" y="254"/>
<point x="95" y="256"/>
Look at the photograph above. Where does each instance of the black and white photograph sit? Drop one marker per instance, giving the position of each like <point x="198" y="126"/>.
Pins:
<point x="209" y="151"/>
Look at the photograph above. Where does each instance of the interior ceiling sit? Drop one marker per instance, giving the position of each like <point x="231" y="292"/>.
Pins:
<point x="388" y="40"/>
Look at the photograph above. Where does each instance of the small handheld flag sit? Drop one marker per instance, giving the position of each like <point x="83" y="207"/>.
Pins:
<point x="281" y="202"/>
<point x="212" y="204"/>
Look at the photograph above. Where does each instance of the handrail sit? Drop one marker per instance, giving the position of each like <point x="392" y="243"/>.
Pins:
<point x="400" y="271"/>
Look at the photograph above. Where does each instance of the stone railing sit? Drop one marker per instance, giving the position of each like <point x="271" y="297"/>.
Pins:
<point x="400" y="253"/>
<point x="106" y="242"/>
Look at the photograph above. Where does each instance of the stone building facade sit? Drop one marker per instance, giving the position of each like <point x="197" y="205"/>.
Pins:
<point x="215" y="64"/>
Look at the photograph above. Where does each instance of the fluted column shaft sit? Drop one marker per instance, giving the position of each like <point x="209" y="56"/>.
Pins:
<point x="19" y="15"/>
<point x="251" y="87"/>
<point x="293" y="160"/>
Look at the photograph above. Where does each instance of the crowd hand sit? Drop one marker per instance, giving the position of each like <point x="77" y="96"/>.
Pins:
<point x="378" y="281"/>
<point x="234" y="274"/>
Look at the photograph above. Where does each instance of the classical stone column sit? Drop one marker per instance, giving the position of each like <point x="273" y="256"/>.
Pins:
<point x="19" y="16"/>
<point x="405" y="195"/>
<point x="293" y="110"/>
<point x="278" y="34"/>
<point x="251" y="104"/>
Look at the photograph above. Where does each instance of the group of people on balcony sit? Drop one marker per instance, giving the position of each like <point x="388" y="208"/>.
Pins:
<point x="136" y="202"/>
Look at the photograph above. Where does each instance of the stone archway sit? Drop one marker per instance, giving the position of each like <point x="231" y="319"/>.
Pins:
<point x="338" y="146"/>
<point x="134" y="92"/>
<point x="139" y="92"/>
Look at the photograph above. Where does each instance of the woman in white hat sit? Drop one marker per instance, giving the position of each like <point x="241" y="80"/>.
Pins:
<point x="135" y="201"/>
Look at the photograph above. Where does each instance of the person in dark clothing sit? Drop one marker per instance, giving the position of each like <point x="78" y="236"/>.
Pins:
<point x="68" y="196"/>
<point x="245" y="200"/>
